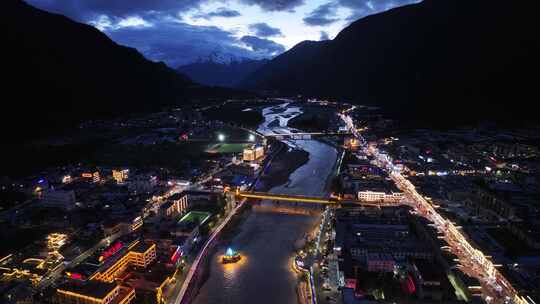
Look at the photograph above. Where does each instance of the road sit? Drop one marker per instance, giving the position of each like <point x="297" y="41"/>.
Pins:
<point x="495" y="286"/>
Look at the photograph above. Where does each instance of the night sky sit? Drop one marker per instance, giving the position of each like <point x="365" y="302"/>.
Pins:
<point x="182" y="31"/>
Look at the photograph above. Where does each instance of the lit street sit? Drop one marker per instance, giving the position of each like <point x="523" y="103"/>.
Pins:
<point x="495" y="286"/>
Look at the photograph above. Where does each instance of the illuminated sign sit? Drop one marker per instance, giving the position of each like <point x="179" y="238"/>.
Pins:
<point x="75" y="276"/>
<point x="110" y="251"/>
<point x="87" y="175"/>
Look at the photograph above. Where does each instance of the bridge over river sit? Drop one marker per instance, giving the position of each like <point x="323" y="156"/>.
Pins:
<point x="315" y="199"/>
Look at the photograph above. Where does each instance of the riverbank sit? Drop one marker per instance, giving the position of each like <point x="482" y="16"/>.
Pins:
<point x="268" y="235"/>
<point x="283" y="165"/>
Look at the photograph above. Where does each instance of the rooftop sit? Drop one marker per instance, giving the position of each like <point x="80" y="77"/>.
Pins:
<point x="95" y="289"/>
<point x="142" y="247"/>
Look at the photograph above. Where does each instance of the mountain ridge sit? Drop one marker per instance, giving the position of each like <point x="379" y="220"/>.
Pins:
<point x="217" y="73"/>
<point x="62" y="72"/>
<point x="457" y="58"/>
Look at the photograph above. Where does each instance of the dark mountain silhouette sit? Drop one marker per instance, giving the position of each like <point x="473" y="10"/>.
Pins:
<point x="443" y="61"/>
<point x="225" y="74"/>
<point x="59" y="72"/>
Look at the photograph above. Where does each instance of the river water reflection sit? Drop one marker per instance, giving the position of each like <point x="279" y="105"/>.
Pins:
<point x="269" y="234"/>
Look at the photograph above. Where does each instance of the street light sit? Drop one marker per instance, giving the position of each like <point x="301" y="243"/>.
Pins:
<point x="251" y="137"/>
<point x="221" y="137"/>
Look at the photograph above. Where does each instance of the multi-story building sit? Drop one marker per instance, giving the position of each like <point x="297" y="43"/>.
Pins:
<point x="141" y="254"/>
<point x="176" y="205"/>
<point x="93" y="292"/>
<point x="374" y="196"/>
<point x="120" y="175"/>
<point x="484" y="200"/>
<point x="124" y="225"/>
<point x="380" y="262"/>
<point x="253" y="153"/>
<point x="141" y="184"/>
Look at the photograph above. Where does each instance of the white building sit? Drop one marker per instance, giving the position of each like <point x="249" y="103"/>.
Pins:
<point x="253" y="153"/>
<point x="374" y="196"/>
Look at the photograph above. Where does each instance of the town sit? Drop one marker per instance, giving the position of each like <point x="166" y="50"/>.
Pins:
<point x="141" y="219"/>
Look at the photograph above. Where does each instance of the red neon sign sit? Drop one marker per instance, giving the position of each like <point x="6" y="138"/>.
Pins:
<point x="110" y="251"/>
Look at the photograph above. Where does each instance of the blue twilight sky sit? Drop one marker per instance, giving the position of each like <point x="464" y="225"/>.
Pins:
<point x="182" y="31"/>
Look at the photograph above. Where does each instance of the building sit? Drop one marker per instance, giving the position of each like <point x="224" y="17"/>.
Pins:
<point x="114" y="227"/>
<point x="487" y="201"/>
<point x="380" y="262"/>
<point x="188" y="227"/>
<point x="92" y="176"/>
<point x="253" y="153"/>
<point x="245" y="169"/>
<point x="136" y="223"/>
<point x="364" y="171"/>
<point x="120" y="175"/>
<point x="123" y="225"/>
<point x="140" y="254"/>
<point x="93" y="292"/>
<point x="176" y="205"/>
<point x="141" y="184"/>
<point x="351" y="143"/>
<point x="373" y="196"/>
<point x="64" y="199"/>
<point x="66" y="179"/>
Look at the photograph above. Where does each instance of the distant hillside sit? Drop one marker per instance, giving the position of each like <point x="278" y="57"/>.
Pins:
<point x="226" y="74"/>
<point x="58" y="72"/>
<point x="439" y="61"/>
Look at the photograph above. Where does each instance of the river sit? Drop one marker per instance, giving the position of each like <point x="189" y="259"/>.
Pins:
<point x="268" y="236"/>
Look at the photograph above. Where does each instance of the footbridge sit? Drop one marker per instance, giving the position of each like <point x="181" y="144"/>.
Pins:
<point x="314" y="200"/>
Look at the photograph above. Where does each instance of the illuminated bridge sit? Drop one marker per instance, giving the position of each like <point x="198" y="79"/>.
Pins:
<point x="305" y="135"/>
<point x="314" y="200"/>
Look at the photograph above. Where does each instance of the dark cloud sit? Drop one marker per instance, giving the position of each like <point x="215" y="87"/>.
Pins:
<point x="263" y="45"/>
<point x="323" y="15"/>
<point x="220" y="12"/>
<point x="179" y="43"/>
<point x="275" y="5"/>
<point x="362" y="8"/>
<point x="155" y="29"/>
<point x="264" y="30"/>
<point x="84" y="10"/>
<point x="324" y="36"/>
